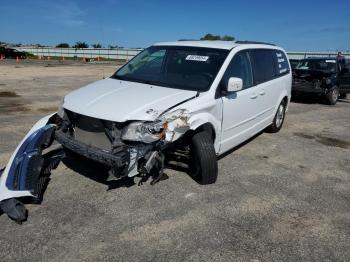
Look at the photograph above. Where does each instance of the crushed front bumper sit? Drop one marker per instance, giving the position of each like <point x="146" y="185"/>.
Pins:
<point x="120" y="159"/>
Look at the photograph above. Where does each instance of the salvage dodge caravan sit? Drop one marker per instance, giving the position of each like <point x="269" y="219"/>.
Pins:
<point x="203" y="97"/>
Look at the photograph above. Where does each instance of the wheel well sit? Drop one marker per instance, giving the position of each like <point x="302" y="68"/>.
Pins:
<point x="207" y="127"/>
<point x="285" y="100"/>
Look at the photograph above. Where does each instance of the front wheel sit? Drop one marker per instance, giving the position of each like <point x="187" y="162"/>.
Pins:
<point x="203" y="160"/>
<point x="332" y="95"/>
<point x="278" y="119"/>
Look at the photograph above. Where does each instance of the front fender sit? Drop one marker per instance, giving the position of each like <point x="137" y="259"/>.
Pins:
<point x="200" y="119"/>
<point x="26" y="161"/>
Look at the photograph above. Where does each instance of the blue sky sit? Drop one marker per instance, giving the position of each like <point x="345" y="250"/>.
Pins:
<point x="295" y="25"/>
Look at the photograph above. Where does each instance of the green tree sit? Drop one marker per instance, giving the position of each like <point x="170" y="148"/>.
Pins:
<point x="210" y="37"/>
<point x="98" y="45"/>
<point x="63" y="45"/>
<point x="80" y="44"/>
<point x="227" y="38"/>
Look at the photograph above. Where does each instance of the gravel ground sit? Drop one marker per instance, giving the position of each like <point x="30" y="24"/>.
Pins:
<point x="279" y="197"/>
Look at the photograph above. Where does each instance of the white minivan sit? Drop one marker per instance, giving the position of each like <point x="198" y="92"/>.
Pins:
<point x="203" y="97"/>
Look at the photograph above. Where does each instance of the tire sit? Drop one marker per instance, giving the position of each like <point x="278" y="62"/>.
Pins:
<point x="332" y="95"/>
<point x="278" y="120"/>
<point x="203" y="161"/>
<point x="342" y="96"/>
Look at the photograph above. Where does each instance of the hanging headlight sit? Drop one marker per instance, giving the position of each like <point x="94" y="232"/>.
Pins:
<point x="143" y="132"/>
<point x="164" y="128"/>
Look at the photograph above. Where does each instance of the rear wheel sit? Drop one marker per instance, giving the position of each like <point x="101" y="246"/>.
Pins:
<point x="278" y="119"/>
<point x="332" y="95"/>
<point x="203" y="160"/>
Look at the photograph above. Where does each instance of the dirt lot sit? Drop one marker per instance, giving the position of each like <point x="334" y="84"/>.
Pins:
<point x="280" y="197"/>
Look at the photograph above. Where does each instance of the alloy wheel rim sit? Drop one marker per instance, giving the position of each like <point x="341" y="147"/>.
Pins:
<point x="335" y="94"/>
<point x="280" y="116"/>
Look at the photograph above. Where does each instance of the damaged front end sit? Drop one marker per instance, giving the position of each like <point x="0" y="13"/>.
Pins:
<point x="128" y="148"/>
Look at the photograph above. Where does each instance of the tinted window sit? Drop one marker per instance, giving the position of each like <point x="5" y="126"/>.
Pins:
<point x="263" y="65"/>
<point x="281" y="63"/>
<point x="240" y="67"/>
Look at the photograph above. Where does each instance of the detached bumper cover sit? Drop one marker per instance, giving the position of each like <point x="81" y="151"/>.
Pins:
<point x="26" y="167"/>
<point x="19" y="178"/>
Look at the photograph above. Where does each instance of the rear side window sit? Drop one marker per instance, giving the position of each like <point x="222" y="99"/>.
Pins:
<point x="281" y="63"/>
<point x="263" y="65"/>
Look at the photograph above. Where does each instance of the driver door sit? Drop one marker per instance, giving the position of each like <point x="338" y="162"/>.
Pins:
<point x="241" y="108"/>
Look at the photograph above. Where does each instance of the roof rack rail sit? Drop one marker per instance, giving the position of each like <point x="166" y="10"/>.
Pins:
<point x="253" y="42"/>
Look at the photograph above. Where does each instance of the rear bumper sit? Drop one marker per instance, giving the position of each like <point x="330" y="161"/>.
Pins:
<point x="120" y="159"/>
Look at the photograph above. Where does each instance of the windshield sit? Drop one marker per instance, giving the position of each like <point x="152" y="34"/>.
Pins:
<point x="189" y="68"/>
<point x="318" y="65"/>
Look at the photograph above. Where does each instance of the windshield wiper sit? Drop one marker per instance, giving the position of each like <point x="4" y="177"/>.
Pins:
<point x="117" y="77"/>
<point x="148" y="82"/>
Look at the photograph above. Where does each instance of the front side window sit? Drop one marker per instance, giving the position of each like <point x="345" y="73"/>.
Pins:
<point x="263" y="65"/>
<point x="240" y="67"/>
<point x="188" y="68"/>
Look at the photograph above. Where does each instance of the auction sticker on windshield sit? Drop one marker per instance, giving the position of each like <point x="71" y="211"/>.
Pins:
<point x="197" y="58"/>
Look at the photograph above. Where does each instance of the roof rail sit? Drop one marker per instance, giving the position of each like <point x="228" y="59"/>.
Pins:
<point x="253" y="42"/>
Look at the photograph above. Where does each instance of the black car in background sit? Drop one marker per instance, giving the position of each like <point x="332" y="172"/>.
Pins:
<point x="293" y="63"/>
<point x="12" y="53"/>
<point x="327" y="77"/>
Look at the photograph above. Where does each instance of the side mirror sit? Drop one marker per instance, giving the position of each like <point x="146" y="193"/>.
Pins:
<point x="234" y="84"/>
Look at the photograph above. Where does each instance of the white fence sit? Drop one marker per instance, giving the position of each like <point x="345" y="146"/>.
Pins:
<point x="128" y="53"/>
<point x="302" y="55"/>
<point x="113" y="53"/>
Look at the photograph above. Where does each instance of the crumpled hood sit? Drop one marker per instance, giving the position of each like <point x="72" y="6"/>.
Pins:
<point x="119" y="101"/>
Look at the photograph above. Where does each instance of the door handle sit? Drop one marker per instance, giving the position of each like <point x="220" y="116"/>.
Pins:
<point x="253" y="96"/>
<point x="262" y="92"/>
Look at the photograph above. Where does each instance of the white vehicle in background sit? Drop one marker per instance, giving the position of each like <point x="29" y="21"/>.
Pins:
<point x="204" y="97"/>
